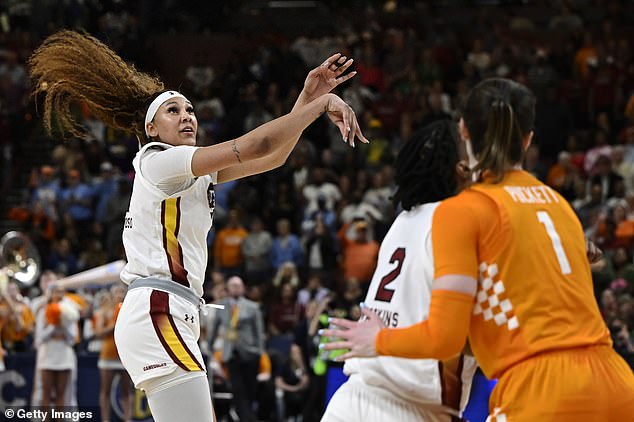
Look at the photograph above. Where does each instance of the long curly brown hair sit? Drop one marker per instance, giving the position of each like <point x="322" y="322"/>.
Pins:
<point x="74" y="68"/>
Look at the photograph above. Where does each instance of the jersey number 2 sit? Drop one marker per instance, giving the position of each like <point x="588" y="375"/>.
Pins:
<point x="383" y="293"/>
<point x="545" y="219"/>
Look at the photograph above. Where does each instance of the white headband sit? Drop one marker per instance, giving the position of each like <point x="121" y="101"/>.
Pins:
<point x="153" y="108"/>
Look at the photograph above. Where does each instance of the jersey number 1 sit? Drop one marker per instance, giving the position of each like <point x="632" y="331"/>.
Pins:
<point x="383" y="293"/>
<point x="545" y="219"/>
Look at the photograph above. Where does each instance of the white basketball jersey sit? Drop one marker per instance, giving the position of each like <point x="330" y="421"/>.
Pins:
<point x="165" y="236"/>
<point x="400" y="293"/>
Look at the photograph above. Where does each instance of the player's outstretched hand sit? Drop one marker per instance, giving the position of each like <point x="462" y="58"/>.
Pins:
<point x="342" y="115"/>
<point x="356" y="336"/>
<point x="327" y="76"/>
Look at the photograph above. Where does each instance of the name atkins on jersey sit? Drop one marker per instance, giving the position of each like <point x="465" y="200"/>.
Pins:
<point x="389" y="318"/>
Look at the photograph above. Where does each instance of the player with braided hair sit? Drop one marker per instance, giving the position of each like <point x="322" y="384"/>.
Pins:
<point x="430" y="167"/>
<point x="425" y="169"/>
<point x="172" y="202"/>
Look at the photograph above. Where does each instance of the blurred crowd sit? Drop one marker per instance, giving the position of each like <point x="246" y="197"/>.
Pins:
<point x="304" y="238"/>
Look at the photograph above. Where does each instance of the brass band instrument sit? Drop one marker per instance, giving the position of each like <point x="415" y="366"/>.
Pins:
<point x="19" y="260"/>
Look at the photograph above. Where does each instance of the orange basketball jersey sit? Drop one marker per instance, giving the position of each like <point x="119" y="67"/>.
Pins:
<point x="524" y="244"/>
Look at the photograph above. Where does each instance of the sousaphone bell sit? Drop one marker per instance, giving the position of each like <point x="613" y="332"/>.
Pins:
<point x="19" y="260"/>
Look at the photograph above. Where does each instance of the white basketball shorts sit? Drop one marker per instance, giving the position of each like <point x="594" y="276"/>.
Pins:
<point x="157" y="332"/>
<point x="357" y="401"/>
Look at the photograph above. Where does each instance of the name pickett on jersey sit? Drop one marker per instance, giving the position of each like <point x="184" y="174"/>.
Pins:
<point x="532" y="194"/>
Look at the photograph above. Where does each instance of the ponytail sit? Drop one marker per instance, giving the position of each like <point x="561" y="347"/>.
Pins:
<point x="499" y="114"/>
<point x="501" y="147"/>
<point x="73" y="68"/>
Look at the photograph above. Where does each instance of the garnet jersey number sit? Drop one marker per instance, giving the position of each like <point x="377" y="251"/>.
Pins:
<point x="383" y="293"/>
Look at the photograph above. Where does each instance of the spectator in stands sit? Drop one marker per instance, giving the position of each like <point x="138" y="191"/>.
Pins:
<point x="585" y="56"/>
<point x="563" y="175"/>
<point x="320" y="189"/>
<point x="623" y="225"/>
<point x="200" y="74"/>
<point x="313" y="292"/>
<point x="623" y="167"/>
<point x="436" y="111"/>
<point x="62" y="259"/>
<point x="243" y="344"/>
<point x="326" y="215"/>
<point x="92" y="256"/>
<point x="256" y="247"/>
<point x="479" y="57"/>
<point x="16" y="334"/>
<point x="113" y="219"/>
<point x="282" y="208"/>
<point x="359" y="252"/>
<point x="371" y="74"/>
<point x="104" y="188"/>
<point x="228" y="245"/>
<point x="379" y="150"/>
<point x="321" y="250"/>
<point x="380" y="191"/>
<point x="291" y="383"/>
<point x="603" y="91"/>
<point x="622" y="266"/>
<point x="46" y="191"/>
<point x="354" y="208"/>
<point x="76" y="203"/>
<point x="611" y="182"/>
<point x="286" y="274"/>
<point x="600" y="148"/>
<point x="566" y="20"/>
<point x="257" y="116"/>
<point x="533" y="164"/>
<point x="36" y="224"/>
<point x="347" y="303"/>
<point x="622" y="340"/>
<point x="428" y="69"/>
<point x="285" y="313"/>
<point x="554" y="124"/>
<point x="286" y="247"/>
<point x="541" y="76"/>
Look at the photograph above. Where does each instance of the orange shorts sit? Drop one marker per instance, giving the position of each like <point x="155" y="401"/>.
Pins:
<point x="590" y="384"/>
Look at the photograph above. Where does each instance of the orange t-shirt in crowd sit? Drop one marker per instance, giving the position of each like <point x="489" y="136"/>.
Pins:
<point x="227" y="247"/>
<point x="624" y="233"/>
<point x="581" y="60"/>
<point x="556" y="176"/>
<point x="524" y="244"/>
<point x="359" y="258"/>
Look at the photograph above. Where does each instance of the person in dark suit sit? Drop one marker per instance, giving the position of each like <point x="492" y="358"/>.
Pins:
<point x="611" y="182"/>
<point x="242" y="328"/>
